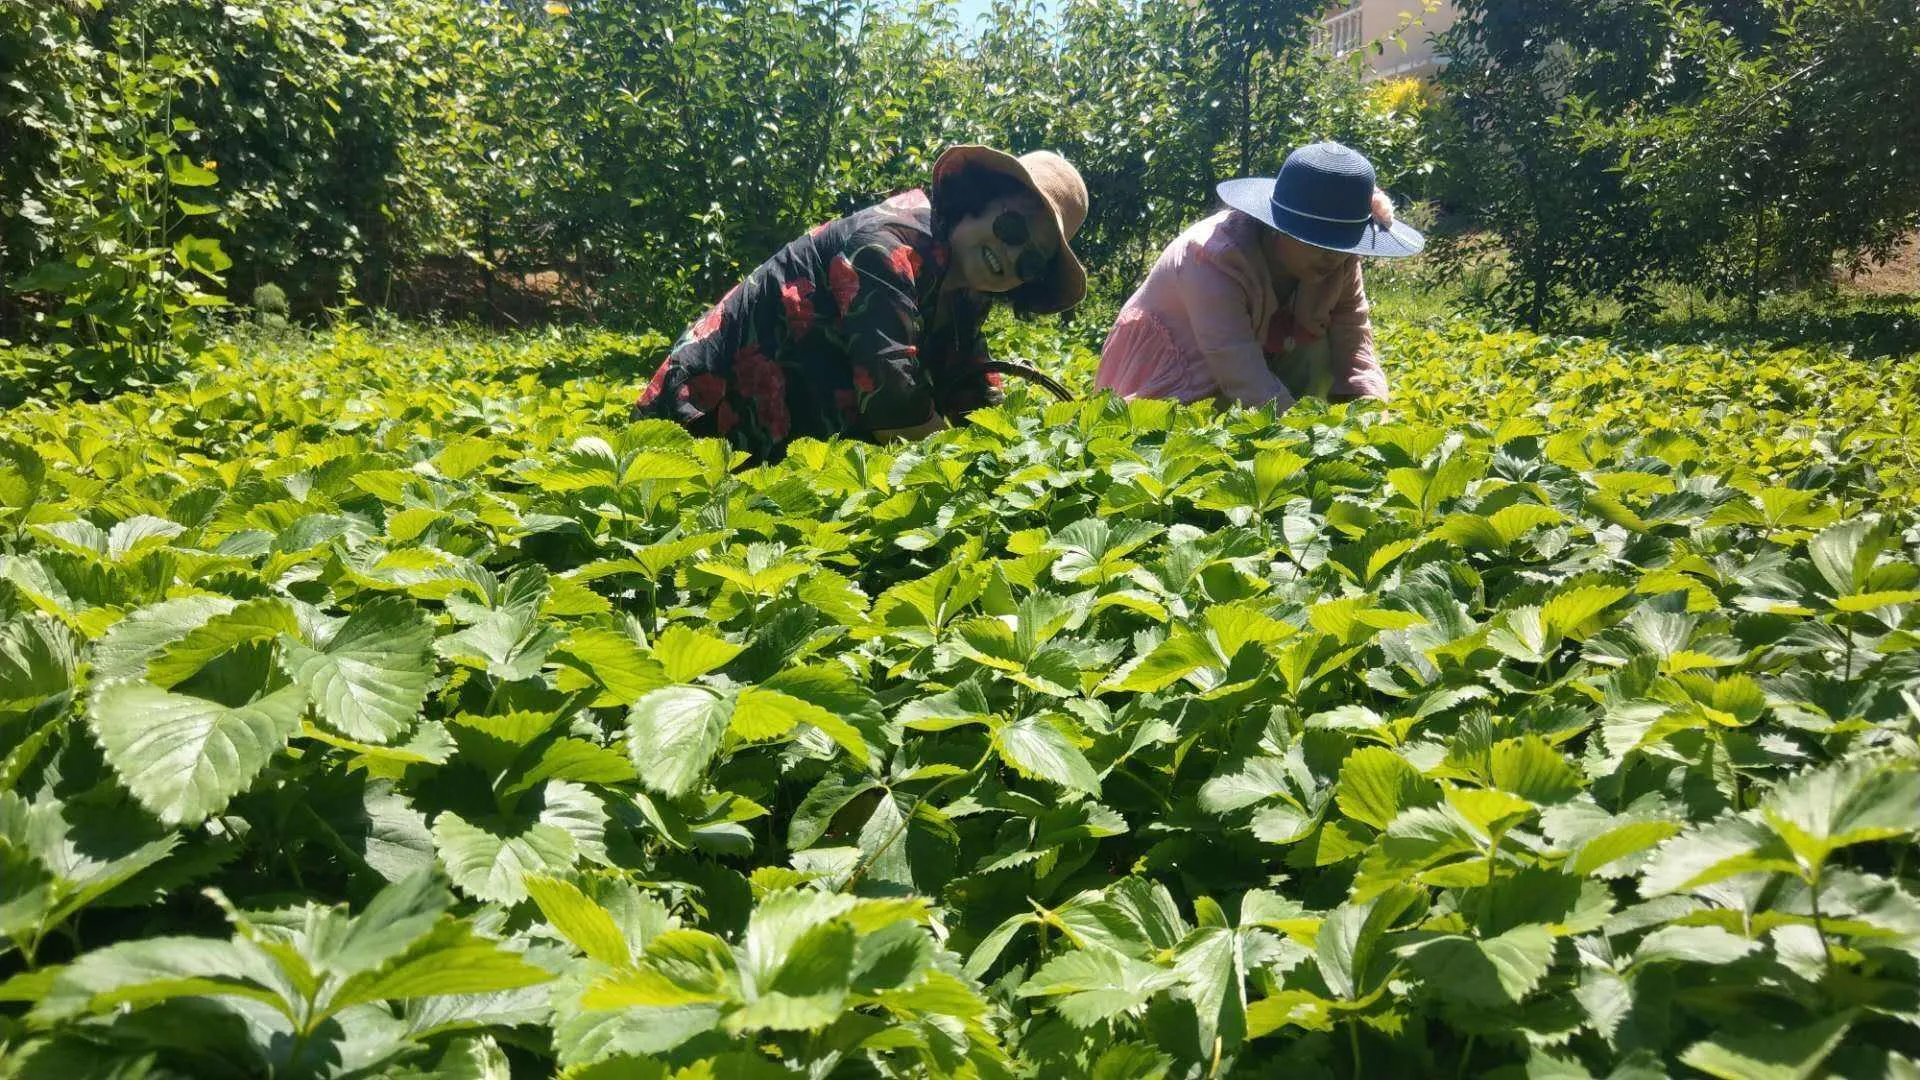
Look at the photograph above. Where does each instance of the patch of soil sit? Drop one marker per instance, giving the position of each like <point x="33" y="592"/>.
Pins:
<point x="459" y="289"/>
<point x="1898" y="277"/>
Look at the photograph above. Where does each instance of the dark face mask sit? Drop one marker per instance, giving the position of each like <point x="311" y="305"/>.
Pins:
<point x="1011" y="229"/>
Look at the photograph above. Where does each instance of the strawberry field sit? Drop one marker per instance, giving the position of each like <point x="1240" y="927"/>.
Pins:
<point x="396" y="708"/>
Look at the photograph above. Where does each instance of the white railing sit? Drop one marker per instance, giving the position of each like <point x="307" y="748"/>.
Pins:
<point x="1339" y="34"/>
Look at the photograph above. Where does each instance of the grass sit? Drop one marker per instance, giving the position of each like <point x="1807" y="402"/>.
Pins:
<point x="1867" y="322"/>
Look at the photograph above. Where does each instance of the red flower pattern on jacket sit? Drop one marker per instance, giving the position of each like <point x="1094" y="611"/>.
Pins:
<point x="905" y="262"/>
<point x="655" y="385"/>
<point x="758" y="378"/>
<point x="797" y="297"/>
<point x="844" y="280"/>
<point x="774" y="418"/>
<point x="705" y="390"/>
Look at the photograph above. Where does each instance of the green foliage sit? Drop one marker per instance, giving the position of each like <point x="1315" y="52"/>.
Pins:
<point x="363" y="148"/>
<point x="111" y="196"/>
<point x="1563" y="218"/>
<point x="270" y="299"/>
<point x="344" y="136"/>
<point x="303" y="976"/>
<point x="270" y="306"/>
<point x="1523" y="728"/>
<point x="1735" y="148"/>
<point x="1775" y="422"/>
<point x="428" y="153"/>
<point x="1771" y="154"/>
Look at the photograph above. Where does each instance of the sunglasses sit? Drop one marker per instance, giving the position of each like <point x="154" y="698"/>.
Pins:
<point x="1012" y="230"/>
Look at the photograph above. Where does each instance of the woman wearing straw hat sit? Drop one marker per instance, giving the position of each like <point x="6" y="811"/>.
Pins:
<point x="869" y="326"/>
<point x="1264" y="301"/>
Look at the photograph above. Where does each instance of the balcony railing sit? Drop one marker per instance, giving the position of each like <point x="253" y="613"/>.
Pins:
<point x="1339" y="34"/>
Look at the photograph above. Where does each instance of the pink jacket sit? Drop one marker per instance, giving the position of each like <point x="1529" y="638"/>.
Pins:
<point x="1208" y="317"/>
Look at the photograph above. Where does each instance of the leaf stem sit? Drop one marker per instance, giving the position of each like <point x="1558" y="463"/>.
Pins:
<point x="1846" y="623"/>
<point x="906" y="819"/>
<point x="1819" y="925"/>
<point x="1125" y="770"/>
<point x="299" y="1044"/>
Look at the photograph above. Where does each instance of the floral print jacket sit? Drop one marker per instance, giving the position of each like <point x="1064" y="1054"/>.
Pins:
<point x="843" y="332"/>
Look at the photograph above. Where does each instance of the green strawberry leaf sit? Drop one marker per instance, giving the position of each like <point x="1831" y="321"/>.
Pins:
<point x="370" y="680"/>
<point x="185" y="757"/>
<point x="673" y="735"/>
<point x="1037" y="748"/>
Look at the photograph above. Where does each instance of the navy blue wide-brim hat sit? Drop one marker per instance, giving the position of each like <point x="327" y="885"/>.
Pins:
<point x="1324" y="197"/>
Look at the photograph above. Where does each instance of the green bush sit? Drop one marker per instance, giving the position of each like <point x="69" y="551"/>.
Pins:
<point x="270" y="306"/>
<point x="120" y="264"/>
<point x="419" y="153"/>
<point x="360" y="146"/>
<point x="1775" y="157"/>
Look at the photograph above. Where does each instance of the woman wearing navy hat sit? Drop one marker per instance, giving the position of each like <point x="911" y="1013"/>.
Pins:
<point x="1264" y="301"/>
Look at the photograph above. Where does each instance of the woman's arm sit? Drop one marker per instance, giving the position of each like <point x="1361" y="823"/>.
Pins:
<point x="1223" y="328"/>
<point x="1356" y="370"/>
<point x="965" y="383"/>
<point x="873" y="282"/>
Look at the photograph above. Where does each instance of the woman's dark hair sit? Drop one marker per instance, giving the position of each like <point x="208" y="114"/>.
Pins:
<point x="966" y="193"/>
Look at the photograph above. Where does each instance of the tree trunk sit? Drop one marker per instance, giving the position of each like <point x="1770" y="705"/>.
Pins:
<point x="486" y="269"/>
<point x="1246" y="105"/>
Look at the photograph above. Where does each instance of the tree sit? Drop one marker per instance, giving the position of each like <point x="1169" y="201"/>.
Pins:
<point x="1780" y="154"/>
<point x="1558" y="209"/>
<point x="1734" y="146"/>
<point x="1249" y="41"/>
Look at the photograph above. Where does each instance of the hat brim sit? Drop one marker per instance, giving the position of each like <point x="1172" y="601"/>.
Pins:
<point x="1254" y="198"/>
<point x="1068" y="285"/>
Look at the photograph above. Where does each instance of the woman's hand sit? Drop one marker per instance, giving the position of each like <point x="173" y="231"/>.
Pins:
<point x="1382" y="209"/>
<point x="934" y="424"/>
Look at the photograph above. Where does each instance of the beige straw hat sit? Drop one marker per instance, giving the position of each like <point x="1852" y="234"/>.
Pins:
<point x="1058" y="184"/>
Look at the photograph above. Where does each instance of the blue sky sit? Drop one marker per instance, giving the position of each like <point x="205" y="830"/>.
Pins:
<point x="972" y="9"/>
<point x="966" y="11"/>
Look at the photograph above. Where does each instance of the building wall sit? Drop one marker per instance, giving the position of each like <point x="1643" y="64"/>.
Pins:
<point x="1379" y="18"/>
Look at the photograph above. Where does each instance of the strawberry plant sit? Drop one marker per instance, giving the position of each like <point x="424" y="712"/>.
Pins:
<point x="399" y="709"/>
